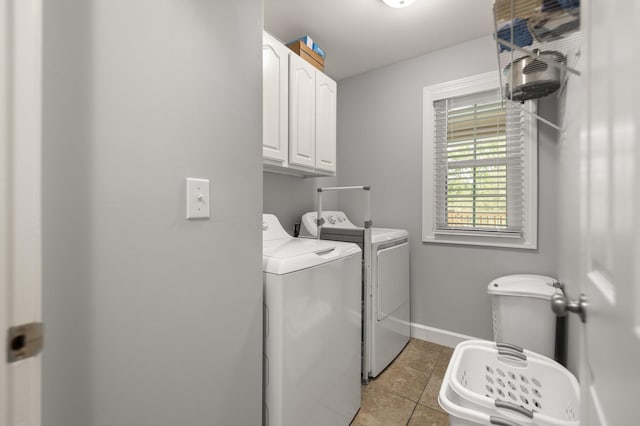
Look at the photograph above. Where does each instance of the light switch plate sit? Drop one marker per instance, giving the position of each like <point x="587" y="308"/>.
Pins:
<point x="198" y="198"/>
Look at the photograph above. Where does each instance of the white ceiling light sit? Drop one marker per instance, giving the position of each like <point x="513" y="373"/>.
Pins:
<point x="398" y="3"/>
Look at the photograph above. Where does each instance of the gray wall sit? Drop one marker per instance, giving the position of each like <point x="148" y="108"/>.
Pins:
<point x="151" y="319"/>
<point x="380" y="144"/>
<point x="289" y="197"/>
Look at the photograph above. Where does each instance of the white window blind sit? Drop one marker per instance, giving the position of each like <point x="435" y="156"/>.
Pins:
<point x="479" y="180"/>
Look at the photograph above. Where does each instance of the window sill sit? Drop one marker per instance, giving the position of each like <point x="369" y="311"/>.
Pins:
<point x="476" y="234"/>
<point x="503" y="241"/>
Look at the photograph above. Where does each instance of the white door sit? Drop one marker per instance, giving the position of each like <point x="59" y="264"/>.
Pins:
<point x="302" y="112"/>
<point x="326" y="104"/>
<point x="275" y="98"/>
<point x="610" y="361"/>
<point x="20" y="230"/>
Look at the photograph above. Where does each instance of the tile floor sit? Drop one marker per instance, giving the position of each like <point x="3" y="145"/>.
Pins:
<point x="406" y="393"/>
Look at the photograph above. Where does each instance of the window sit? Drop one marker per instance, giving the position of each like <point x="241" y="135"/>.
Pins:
<point x="479" y="166"/>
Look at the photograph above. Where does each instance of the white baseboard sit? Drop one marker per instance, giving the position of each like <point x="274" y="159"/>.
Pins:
<point x="436" y="335"/>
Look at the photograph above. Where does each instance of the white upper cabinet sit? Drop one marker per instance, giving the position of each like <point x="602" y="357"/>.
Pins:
<point x="302" y="112"/>
<point x="325" y="123"/>
<point x="275" y="98"/>
<point x="299" y="113"/>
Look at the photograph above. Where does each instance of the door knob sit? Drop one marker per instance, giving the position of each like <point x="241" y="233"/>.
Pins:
<point x="561" y="305"/>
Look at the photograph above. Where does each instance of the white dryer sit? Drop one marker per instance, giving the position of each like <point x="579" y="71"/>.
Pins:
<point x="388" y="302"/>
<point x="312" y="329"/>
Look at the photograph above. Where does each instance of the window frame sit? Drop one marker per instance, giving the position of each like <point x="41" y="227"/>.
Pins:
<point x="463" y="87"/>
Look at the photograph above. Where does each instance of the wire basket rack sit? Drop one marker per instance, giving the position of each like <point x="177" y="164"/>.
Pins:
<point x="538" y="47"/>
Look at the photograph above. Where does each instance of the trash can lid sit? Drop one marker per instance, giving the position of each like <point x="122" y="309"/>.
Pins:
<point x="524" y="285"/>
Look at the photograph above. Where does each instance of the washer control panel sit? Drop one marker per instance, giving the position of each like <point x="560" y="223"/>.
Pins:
<point x="331" y="218"/>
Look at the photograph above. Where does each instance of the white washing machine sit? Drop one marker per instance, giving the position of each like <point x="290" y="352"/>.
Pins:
<point x="312" y="329"/>
<point x="388" y="302"/>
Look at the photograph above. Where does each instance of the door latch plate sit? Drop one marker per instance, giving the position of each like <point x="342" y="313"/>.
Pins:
<point x="24" y="341"/>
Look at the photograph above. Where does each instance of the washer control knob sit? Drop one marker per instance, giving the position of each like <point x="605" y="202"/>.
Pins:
<point x="332" y="219"/>
<point x="340" y="219"/>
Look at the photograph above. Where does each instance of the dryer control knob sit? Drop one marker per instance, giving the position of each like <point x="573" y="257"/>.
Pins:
<point x="332" y="219"/>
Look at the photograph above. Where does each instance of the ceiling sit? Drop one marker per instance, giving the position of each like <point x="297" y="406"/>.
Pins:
<point x="361" y="35"/>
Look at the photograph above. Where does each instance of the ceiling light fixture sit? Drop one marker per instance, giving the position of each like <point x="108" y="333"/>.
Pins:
<point x="398" y="3"/>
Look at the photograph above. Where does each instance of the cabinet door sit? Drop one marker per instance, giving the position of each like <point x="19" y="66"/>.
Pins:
<point x="275" y="98"/>
<point x="325" y="123"/>
<point x="302" y="112"/>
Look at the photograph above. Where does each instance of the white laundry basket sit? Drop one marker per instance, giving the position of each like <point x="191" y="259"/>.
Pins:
<point x="488" y="383"/>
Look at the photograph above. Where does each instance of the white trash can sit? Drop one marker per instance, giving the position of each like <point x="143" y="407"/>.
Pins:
<point x="522" y="312"/>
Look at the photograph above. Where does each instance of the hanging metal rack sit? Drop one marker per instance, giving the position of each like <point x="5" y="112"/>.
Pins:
<point x="540" y="32"/>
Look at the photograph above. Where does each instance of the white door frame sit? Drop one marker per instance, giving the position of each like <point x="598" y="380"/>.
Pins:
<point x="20" y="202"/>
